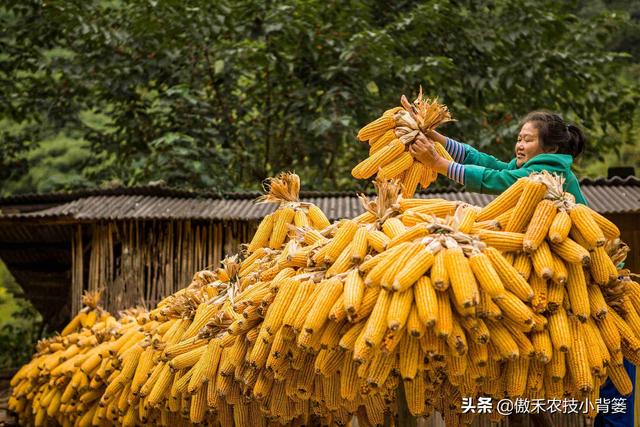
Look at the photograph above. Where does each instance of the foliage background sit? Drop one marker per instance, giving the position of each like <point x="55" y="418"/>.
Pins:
<point x="220" y="95"/>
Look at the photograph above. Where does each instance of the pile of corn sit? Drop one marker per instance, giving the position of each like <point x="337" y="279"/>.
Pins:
<point x="320" y="322"/>
<point x="389" y="138"/>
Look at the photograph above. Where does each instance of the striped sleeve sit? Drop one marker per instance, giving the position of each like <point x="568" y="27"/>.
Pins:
<point x="456" y="149"/>
<point x="455" y="171"/>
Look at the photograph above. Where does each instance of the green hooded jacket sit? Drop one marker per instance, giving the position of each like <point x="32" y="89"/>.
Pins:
<point x="486" y="174"/>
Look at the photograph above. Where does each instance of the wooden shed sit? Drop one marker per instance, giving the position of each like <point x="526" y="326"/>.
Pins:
<point x="143" y="243"/>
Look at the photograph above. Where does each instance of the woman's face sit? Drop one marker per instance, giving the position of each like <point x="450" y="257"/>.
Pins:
<point x="528" y="145"/>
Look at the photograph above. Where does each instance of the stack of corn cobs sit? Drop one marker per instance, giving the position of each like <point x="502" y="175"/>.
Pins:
<point x="316" y="322"/>
<point x="389" y="138"/>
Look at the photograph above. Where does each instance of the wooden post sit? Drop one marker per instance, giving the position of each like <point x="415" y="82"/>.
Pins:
<point x="77" y="270"/>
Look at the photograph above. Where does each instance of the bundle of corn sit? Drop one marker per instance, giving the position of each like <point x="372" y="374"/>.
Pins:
<point x="390" y="136"/>
<point x="273" y="230"/>
<point x="456" y="305"/>
<point x="88" y="315"/>
<point x="97" y="374"/>
<point x="441" y="298"/>
<point x="69" y="372"/>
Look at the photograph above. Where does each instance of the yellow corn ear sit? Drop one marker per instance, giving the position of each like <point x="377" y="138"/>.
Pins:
<point x="393" y="227"/>
<point x="283" y="217"/>
<point x="559" y="330"/>
<point x="577" y="358"/>
<point x="620" y="379"/>
<point x="560" y="273"/>
<point x="368" y="167"/>
<point x="571" y="252"/>
<point x="504" y="241"/>
<point x="342" y="263"/>
<point x="318" y="315"/>
<point x="463" y="283"/>
<point x="375" y="144"/>
<point x="408" y="235"/>
<point x="609" y="229"/>
<point x="359" y="245"/>
<point x="511" y="279"/>
<point x="413" y="270"/>
<point x="429" y="175"/>
<point x="542" y="261"/>
<point x="338" y="312"/>
<point x="504" y="342"/>
<point x="161" y="386"/>
<point x="505" y="201"/>
<point x="577" y="291"/>
<point x="348" y="340"/>
<point x="344" y="235"/>
<point x="513" y="308"/>
<point x="415" y="326"/>
<point x="198" y="408"/>
<point x="275" y="315"/>
<point x="487" y="308"/>
<point x="542" y="344"/>
<point x="409" y="357"/>
<point x="516" y="374"/>
<point x="603" y="270"/>
<point x="587" y="226"/>
<point x="444" y="321"/>
<point x="469" y="215"/>
<point x="439" y="275"/>
<point x="555" y="295"/>
<point x="188" y="359"/>
<point x="318" y="218"/>
<point x="560" y="227"/>
<point x="415" y="394"/>
<point x="532" y="193"/>
<point x="399" y="309"/>
<point x="501" y="221"/>
<point x="302" y="295"/>
<point x="440" y="209"/>
<point x="384" y="273"/>
<point x="486" y="275"/>
<point x="368" y="302"/>
<point x="376" y="325"/>
<point x="412" y="179"/>
<point x="376" y="128"/>
<point x="538" y="228"/>
<point x="263" y="233"/>
<point x="301" y="219"/>
<point x="426" y="301"/>
<point x="522" y="263"/>
<point x="353" y="291"/>
<point x="399" y="165"/>
<point x="377" y="240"/>
<point x="575" y="234"/>
<point x="366" y="217"/>
<point x="610" y="334"/>
<point x="457" y="339"/>
<point x="540" y="290"/>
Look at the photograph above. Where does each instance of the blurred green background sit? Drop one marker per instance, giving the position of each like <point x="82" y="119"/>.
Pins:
<point x="220" y="95"/>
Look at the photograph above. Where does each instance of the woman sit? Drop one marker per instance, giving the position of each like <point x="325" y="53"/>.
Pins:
<point x="545" y="142"/>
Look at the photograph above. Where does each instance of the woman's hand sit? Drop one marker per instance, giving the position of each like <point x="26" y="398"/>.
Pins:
<point x="435" y="136"/>
<point x="425" y="152"/>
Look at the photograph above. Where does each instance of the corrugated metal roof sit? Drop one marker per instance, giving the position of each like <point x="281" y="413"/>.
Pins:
<point x="605" y="196"/>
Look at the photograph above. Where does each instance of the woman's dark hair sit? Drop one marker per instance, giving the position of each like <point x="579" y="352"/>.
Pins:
<point x="555" y="134"/>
